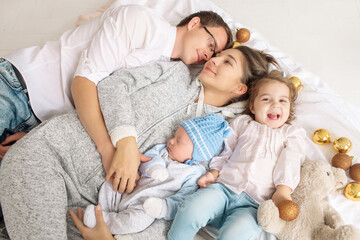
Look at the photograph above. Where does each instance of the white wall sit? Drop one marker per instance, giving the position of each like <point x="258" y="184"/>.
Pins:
<point x="323" y="36"/>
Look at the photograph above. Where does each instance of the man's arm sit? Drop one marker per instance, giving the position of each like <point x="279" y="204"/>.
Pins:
<point x="116" y="163"/>
<point x="87" y="105"/>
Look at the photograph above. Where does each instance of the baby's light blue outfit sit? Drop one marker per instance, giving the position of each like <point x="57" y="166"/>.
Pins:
<point x="124" y="213"/>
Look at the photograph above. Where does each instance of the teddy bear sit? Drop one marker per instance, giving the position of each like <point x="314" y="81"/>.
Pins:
<point x="316" y="219"/>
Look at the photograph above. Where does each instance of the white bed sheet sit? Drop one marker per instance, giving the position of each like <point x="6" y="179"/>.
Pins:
<point x="318" y="106"/>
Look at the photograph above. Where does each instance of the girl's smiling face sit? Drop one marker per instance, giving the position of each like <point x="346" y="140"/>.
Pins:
<point x="271" y="106"/>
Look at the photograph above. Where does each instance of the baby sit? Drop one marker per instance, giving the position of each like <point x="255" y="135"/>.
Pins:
<point x="261" y="160"/>
<point x="166" y="180"/>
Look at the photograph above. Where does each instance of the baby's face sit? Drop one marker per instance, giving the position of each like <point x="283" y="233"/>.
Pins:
<point x="180" y="147"/>
<point x="271" y="106"/>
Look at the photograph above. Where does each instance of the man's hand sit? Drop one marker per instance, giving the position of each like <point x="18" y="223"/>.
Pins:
<point x="107" y="155"/>
<point x="124" y="166"/>
<point x="101" y="231"/>
<point x="9" y="141"/>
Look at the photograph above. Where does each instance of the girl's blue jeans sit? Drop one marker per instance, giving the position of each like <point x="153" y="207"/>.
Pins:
<point x="16" y="114"/>
<point x="233" y="214"/>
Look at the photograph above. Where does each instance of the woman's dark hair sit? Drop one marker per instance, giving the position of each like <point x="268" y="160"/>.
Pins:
<point x="256" y="65"/>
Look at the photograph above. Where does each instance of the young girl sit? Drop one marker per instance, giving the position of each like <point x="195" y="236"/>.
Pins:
<point x="261" y="160"/>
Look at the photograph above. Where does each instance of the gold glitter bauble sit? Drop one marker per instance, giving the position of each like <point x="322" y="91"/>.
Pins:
<point x="297" y="83"/>
<point x="236" y="44"/>
<point x="352" y="191"/>
<point x="321" y="136"/>
<point x="288" y="210"/>
<point x="342" y="145"/>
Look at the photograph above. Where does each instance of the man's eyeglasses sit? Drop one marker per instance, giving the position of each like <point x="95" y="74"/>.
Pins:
<point x="212" y="42"/>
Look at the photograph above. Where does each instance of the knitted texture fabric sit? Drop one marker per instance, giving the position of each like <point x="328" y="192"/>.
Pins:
<point x="207" y="134"/>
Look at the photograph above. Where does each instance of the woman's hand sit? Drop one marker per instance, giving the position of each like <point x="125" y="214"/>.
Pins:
<point x="124" y="166"/>
<point x="101" y="231"/>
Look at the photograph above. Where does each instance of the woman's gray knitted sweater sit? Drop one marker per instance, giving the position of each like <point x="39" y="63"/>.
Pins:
<point x="57" y="166"/>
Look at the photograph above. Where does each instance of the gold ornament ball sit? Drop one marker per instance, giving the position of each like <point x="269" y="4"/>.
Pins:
<point x="355" y="172"/>
<point x="243" y="35"/>
<point x="341" y="160"/>
<point x="288" y="210"/>
<point x="297" y="83"/>
<point x="321" y="136"/>
<point x="236" y="44"/>
<point x="342" y="145"/>
<point x="352" y="191"/>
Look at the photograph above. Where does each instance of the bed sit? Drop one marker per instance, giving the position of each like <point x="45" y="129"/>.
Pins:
<point x="318" y="105"/>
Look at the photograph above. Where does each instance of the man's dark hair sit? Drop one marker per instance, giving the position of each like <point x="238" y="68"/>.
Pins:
<point x="210" y="19"/>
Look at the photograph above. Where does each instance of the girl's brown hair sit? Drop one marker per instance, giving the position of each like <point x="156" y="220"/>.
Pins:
<point x="256" y="65"/>
<point x="274" y="75"/>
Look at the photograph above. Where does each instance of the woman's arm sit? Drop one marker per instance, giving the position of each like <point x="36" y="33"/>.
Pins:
<point x="117" y="102"/>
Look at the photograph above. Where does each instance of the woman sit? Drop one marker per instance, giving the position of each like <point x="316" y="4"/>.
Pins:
<point x="57" y="166"/>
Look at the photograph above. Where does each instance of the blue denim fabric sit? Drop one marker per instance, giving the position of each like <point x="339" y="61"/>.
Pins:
<point x="16" y="114"/>
<point x="234" y="214"/>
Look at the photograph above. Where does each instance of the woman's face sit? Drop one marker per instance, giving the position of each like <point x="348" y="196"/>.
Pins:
<point x="271" y="106"/>
<point x="222" y="74"/>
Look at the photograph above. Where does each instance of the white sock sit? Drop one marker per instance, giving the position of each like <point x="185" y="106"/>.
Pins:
<point x="159" y="174"/>
<point x="153" y="206"/>
<point x="89" y="216"/>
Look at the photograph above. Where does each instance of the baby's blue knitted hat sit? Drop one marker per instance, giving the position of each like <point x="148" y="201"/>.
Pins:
<point x="207" y="134"/>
